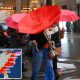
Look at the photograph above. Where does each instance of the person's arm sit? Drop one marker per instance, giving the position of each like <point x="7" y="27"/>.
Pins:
<point x="32" y="38"/>
<point x="33" y="41"/>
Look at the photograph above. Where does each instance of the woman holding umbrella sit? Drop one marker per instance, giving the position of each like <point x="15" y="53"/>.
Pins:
<point x="54" y="36"/>
<point x="40" y="52"/>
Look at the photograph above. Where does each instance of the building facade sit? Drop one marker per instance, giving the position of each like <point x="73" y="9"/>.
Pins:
<point x="24" y="5"/>
<point x="18" y="6"/>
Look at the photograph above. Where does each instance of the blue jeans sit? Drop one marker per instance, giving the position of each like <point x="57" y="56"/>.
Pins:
<point x="36" y="63"/>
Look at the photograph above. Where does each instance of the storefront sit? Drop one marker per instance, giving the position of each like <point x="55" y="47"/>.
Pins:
<point x="22" y="5"/>
<point x="18" y="6"/>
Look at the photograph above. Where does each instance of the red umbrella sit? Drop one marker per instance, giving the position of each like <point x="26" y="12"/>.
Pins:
<point x="38" y="20"/>
<point x="10" y="21"/>
<point x="67" y="15"/>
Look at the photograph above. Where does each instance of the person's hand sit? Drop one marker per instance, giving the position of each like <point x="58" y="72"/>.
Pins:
<point x="34" y="42"/>
<point x="63" y="29"/>
<point x="50" y="42"/>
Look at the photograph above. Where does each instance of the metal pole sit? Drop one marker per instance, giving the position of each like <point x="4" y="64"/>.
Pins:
<point x="18" y="6"/>
<point x="48" y="2"/>
<point x="78" y="5"/>
<point x="28" y="2"/>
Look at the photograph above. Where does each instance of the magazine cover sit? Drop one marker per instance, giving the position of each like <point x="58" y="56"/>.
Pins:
<point x="10" y="63"/>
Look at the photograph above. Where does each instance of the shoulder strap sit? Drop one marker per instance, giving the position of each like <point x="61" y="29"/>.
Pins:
<point x="48" y="37"/>
<point x="59" y="30"/>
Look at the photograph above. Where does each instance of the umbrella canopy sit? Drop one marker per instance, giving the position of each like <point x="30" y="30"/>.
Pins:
<point x="10" y="21"/>
<point x="68" y="16"/>
<point x="38" y="20"/>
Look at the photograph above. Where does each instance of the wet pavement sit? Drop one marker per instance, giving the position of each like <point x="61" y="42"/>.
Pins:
<point x="69" y="62"/>
<point x="71" y="55"/>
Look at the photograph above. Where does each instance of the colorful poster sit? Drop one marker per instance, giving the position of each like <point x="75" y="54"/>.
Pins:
<point x="10" y="63"/>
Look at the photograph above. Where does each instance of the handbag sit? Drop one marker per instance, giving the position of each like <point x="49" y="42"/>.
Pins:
<point x="61" y="33"/>
<point x="58" y="51"/>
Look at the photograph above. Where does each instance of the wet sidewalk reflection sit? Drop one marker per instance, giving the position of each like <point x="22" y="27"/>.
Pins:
<point x="71" y="56"/>
<point x="69" y="62"/>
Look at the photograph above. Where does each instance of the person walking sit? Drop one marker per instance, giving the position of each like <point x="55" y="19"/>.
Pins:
<point x="54" y="35"/>
<point x="40" y="52"/>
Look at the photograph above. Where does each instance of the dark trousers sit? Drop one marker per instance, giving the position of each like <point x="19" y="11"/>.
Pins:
<point x="55" y="67"/>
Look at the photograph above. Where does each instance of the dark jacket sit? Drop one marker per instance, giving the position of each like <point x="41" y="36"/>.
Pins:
<point x="3" y="41"/>
<point x="56" y="39"/>
<point x="40" y="39"/>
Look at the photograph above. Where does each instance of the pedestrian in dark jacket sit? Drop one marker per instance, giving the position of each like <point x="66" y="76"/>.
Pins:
<point x="40" y="52"/>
